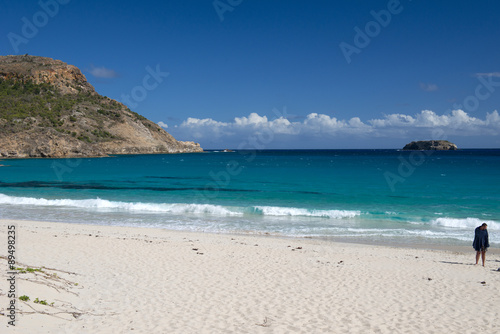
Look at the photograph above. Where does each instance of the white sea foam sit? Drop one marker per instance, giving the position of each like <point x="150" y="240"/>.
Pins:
<point x="255" y="219"/>
<point x="175" y="208"/>
<point x="284" y="211"/>
<point x="414" y="222"/>
<point x="465" y="223"/>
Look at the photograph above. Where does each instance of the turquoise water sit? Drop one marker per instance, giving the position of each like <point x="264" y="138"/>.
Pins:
<point x="370" y="195"/>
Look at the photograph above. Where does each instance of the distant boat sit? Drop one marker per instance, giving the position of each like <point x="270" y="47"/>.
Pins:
<point x="227" y="150"/>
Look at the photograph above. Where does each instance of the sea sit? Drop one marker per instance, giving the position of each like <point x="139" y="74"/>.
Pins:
<point x="372" y="196"/>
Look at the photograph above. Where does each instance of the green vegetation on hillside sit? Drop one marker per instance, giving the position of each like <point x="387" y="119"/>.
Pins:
<point x="25" y="105"/>
<point x="19" y="100"/>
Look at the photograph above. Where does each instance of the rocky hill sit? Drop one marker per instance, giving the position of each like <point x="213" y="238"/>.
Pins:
<point x="431" y="145"/>
<point x="48" y="109"/>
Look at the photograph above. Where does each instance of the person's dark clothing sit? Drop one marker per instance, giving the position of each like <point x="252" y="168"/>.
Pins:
<point x="481" y="242"/>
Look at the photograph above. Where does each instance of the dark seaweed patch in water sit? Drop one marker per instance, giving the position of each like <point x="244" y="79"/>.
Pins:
<point x="97" y="186"/>
<point x="309" y="192"/>
<point x="173" y="177"/>
<point x="122" y="181"/>
<point x="93" y="186"/>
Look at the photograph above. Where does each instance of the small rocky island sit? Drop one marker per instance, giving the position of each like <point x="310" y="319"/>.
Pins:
<point x="48" y="109"/>
<point x="430" y="145"/>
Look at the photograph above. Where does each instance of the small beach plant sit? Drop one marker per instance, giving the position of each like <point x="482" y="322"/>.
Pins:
<point x="43" y="302"/>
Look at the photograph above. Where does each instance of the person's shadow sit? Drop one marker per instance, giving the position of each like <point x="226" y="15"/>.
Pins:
<point x="464" y="264"/>
<point x="469" y="264"/>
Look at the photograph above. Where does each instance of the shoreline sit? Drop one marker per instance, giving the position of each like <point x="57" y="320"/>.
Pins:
<point x="328" y="239"/>
<point x="421" y="245"/>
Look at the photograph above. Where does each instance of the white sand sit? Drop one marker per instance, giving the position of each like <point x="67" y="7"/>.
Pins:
<point x="154" y="281"/>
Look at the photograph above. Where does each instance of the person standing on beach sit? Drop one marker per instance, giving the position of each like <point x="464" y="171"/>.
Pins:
<point x="481" y="242"/>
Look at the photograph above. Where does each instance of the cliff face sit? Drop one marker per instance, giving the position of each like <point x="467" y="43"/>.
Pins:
<point x="431" y="145"/>
<point x="68" y="79"/>
<point x="48" y="109"/>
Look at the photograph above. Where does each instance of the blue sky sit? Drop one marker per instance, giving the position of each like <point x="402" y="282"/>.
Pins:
<point x="282" y="74"/>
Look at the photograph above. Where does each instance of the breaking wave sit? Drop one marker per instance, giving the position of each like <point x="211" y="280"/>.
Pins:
<point x="177" y="208"/>
<point x="284" y="211"/>
<point x="468" y="223"/>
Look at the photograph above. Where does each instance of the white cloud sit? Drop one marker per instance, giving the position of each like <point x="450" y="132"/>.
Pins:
<point x="493" y="119"/>
<point x="102" y="72"/>
<point x="205" y="128"/>
<point x="163" y="125"/>
<point x="326" y="128"/>
<point x="393" y="120"/>
<point x="429" y="87"/>
<point x="457" y="119"/>
<point x="196" y="122"/>
<point x="428" y="118"/>
<point x="252" y="120"/>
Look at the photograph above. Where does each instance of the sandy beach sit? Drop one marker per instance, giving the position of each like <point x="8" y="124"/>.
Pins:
<point x="107" y="279"/>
